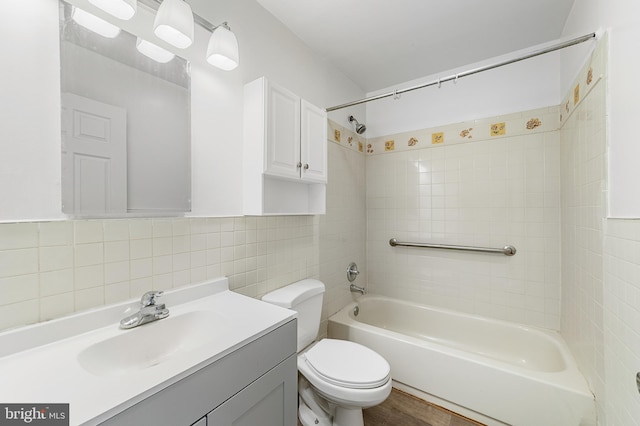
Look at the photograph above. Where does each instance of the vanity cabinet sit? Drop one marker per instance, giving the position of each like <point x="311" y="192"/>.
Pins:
<point x="285" y="152"/>
<point x="255" y="384"/>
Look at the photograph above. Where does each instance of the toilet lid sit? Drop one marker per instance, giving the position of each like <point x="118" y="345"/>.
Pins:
<point x="348" y="364"/>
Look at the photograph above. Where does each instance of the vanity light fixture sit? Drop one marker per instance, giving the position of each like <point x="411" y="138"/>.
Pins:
<point x="93" y="23"/>
<point x="121" y="9"/>
<point x="154" y="51"/>
<point x="174" y="23"/>
<point x="222" y="51"/>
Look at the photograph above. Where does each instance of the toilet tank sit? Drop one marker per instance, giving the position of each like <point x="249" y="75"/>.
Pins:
<point x="304" y="297"/>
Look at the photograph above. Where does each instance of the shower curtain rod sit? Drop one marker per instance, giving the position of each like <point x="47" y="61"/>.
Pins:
<point x="439" y="81"/>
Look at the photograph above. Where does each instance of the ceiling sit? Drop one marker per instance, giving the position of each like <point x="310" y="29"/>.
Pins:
<point x="381" y="43"/>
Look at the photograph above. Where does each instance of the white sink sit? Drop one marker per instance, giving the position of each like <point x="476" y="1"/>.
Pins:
<point x="87" y="361"/>
<point x="151" y="344"/>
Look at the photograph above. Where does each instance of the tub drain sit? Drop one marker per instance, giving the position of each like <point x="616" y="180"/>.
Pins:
<point x="356" y="311"/>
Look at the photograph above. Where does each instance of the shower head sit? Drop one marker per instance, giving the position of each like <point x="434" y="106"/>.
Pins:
<point x="360" y="128"/>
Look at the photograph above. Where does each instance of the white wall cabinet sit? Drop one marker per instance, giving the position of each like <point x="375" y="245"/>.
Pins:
<point x="285" y="152"/>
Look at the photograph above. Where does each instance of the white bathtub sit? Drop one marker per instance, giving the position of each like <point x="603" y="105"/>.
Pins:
<point x="492" y="371"/>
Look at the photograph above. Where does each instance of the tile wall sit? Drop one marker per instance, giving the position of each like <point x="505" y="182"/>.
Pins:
<point x="343" y="228"/>
<point x="487" y="183"/>
<point x="584" y="199"/>
<point x="618" y="354"/>
<point x="600" y="255"/>
<point x="50" y="269"/>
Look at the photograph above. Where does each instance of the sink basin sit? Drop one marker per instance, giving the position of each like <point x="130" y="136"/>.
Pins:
<point x="151" y="344"/>
<point x="75" y="358"/>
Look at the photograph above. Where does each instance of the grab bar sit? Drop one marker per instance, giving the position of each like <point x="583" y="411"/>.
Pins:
<point x="506" y="250"/>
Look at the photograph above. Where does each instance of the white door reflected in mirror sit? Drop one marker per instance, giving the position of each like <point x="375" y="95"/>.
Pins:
<point x="126" y="126"/>
<point x="94" y="156"/>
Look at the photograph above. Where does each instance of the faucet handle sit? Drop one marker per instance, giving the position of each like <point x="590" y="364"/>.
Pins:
<point x="149" y="298"/>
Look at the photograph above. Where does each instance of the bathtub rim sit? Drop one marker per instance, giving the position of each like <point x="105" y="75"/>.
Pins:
<point x="570" y="379"/>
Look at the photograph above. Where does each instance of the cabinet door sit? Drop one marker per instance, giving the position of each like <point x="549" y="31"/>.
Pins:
<point x="269" y="401"/>
<point x="313" y="145"/>
<point x="283" y="133"/>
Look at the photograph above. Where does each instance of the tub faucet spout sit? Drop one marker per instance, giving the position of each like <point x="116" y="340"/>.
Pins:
<point x="149" y="311"/>
<point x="356" y="289"/>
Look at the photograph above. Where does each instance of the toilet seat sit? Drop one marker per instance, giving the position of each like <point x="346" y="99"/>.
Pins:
<point x="347" y="364"/>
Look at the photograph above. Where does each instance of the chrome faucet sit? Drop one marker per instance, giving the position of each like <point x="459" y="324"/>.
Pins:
<point x="356" y="289"/>
<point x="148" y="312"/>
<point x="352" y="273"/>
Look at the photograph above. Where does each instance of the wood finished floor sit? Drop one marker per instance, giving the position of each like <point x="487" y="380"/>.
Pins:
<point x="402" y="409"/>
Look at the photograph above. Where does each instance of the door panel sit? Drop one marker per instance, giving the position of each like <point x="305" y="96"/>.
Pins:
<point x="283" y="133"/>
<point x="94" y="156"/>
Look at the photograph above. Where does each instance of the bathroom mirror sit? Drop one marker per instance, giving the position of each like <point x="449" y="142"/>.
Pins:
<point x="125" y="126"/>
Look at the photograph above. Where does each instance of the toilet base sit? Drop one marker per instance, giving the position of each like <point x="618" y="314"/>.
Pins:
<point x="342" y="416"/>
<point x="308" y="418"/>
<point x="314" y="410"/>
<point x="348" y="417"/>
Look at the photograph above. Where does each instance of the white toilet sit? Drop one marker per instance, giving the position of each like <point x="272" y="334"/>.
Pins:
<point x="338" y="378"/>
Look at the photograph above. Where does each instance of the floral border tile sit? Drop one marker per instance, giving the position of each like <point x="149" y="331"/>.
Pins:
<point x="587" y="79"/>
<point x="344" y="137"/>
<point x="498" y="129"/>
<point x="533" y="123"/>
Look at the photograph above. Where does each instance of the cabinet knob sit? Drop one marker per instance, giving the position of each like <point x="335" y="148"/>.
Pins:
<point x="306" y="167"/>
<point x="299" y="164"/>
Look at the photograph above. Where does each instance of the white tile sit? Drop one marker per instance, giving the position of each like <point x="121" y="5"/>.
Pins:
<point x="18" y="314"/>
<point x="181" y="227"/>
<point x="18" y="236"/>
<point x="141" y="248"/>
<point x="141" y="228"/>
<point x="88" y="231"/>
<point x="162" y="265"/>
<point x="18" y="289"/>
<point x="162" y="246"/>
<point x="163" y="282"/>
<point x="89" y="277"/>
<point x="56" y="306"/>
<point x="56" y="233"/>
<point x="141" y="268"/>
<point x="162" y="228"/>
<point x="116" y="251"/>
<point x="18" y="262"/>
<point x="88" y="254"/>
<point x="116" y="292"/>
<point x="138" y="287"/>
<point x="88" y="298"/>
<point x="55" y="258"/>
<point x="181" y="244"/>
<point x="56" y="282"/>
<point x="116" y="272"/>
<point x="116" y="230"/>
<point x="181" y="262"/>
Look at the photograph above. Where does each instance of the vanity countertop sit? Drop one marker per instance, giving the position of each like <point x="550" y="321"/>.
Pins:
<point x="87" y="361"/>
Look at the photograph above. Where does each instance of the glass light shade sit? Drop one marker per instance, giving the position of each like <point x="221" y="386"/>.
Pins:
<point x="95" y="24"/>
<point x="174" y="23"/>
<point x="222" y="51"/>
<point x="153" y="51"/>
<point x="121" y="9"/>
